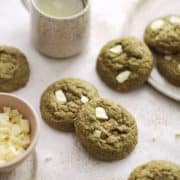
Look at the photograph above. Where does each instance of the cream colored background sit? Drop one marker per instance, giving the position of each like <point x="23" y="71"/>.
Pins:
<point x="157" y="116"/>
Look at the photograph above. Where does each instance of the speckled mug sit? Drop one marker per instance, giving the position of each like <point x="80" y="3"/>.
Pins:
<point x="58" y="37"/>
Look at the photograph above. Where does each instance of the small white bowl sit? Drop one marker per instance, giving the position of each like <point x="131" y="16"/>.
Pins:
<point x="29" y="113"/>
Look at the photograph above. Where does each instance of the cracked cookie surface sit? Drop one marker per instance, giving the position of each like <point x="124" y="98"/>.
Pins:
<point x="156" y="170"/>
<point x="163" y="34"/>
<point x="61" y="102"/>
<point x="124" y="64"/>
<point x="106" y="130"/>
<point x="14" y="69"/>
<point x="169" y="67"/>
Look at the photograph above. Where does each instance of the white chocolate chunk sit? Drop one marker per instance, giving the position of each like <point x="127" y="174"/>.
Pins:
<point x="4" y="117"/>
<point x="174" y="20"/>
<point x="117" y="49"/>
<point x="97" y="133"/>
<point x="24" y="126"/>
<point x="4" y="120"/>
<point x="101" y="113"/>
<point x="84" y="99"/>
<point x="157" y="24"/>
<point x="16" y="129"/>
<point x="60" y="96"/>
<point x="123" y="76"/>
<point x="168" y="58"/>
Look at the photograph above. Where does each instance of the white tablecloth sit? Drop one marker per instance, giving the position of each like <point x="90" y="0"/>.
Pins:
<point x="157" y="116"/>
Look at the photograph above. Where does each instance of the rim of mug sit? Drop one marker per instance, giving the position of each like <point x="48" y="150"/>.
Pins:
<point x="80" y="13"/>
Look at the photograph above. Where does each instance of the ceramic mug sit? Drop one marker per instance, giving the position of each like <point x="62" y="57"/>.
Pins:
<point x="58" y="37"/>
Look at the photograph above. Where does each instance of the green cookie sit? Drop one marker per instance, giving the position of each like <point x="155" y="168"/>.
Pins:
<point x="62" y="101"/>
<point x="14" y="69"/>
<point x="169" y="67"/>
<point x="106" y="130"/>
<point x="163" y="34"/>
<point x="125" y="64"/>
<point x="156" y="170"/>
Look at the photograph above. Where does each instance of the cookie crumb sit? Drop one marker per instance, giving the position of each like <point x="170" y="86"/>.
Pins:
<point x="48" y="158"/>
<point x="177" y="134"/>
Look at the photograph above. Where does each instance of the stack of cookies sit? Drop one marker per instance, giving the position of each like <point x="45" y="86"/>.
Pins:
<point x="162" y="35"/>
<point x="106" y="130"/>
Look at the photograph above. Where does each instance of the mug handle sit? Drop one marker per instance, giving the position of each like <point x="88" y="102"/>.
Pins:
<point x="25" y="4"/>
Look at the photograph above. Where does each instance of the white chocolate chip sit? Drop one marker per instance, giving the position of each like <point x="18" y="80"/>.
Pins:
<point x="60" y="96"/>
<point x="174" y="20"/>
<point x="168" y="58"/>
<point x="157" y="24"/>
<point x="97" y="133"/>
<point x="123" y="76"/>
<point x="117" y="49"/>
<point x="101" y="113"/>
<point x="84" y="99"/>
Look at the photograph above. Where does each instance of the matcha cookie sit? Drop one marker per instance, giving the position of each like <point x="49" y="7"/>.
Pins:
<point x="106" y="130"/>
<point x="14" y="69"/>
<point x="156" y="170"/>
<point x="169" y="67"/>
<point x="125" y="64"/>
<point x="163" y="34"/>
<point x="61" y="102"/>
